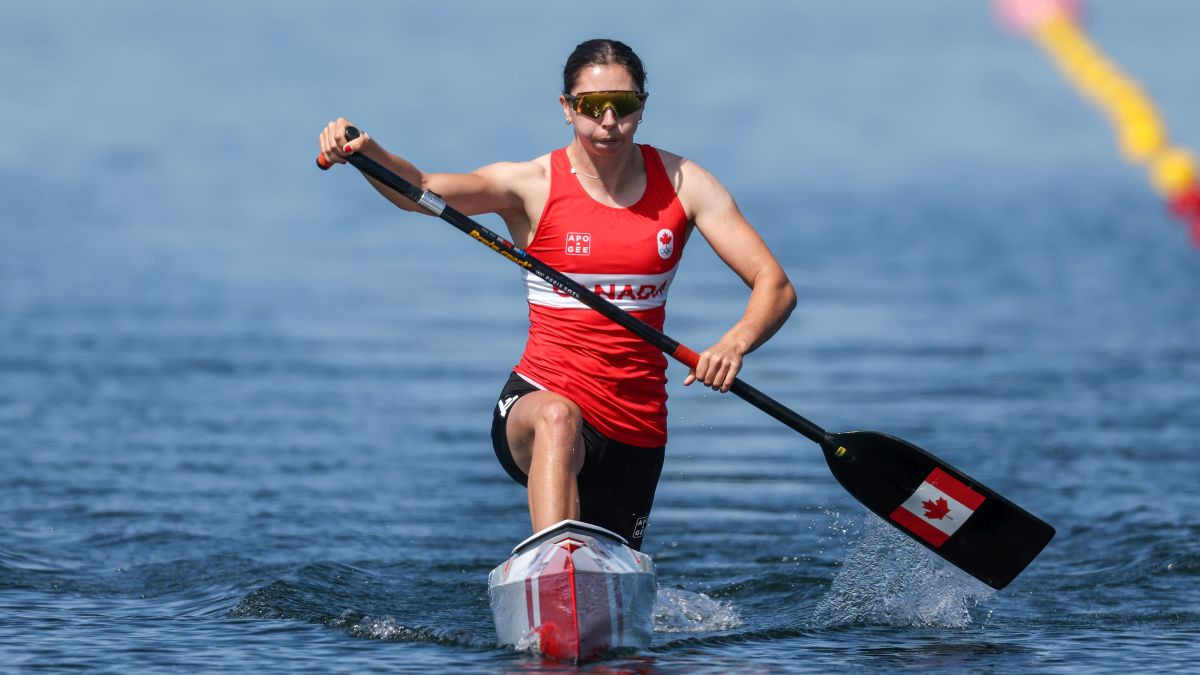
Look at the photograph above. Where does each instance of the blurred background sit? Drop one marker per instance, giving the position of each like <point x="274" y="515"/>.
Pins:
<point x="244" y="403"/>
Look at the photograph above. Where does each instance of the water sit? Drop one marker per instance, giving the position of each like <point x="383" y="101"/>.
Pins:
<point x="244" y="405"/>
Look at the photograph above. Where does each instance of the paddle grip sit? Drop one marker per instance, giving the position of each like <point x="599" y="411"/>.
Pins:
<point x="686" y="356"/>
<point x="324" y="164"/>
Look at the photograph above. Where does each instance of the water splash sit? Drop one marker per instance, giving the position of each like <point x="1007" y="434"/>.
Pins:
<point x="531" y="643"/>
<point x="319" y="593"/>
<point x="680" y="611"/>
<point x="890" y="580"/>
<point x="387" y="628"/>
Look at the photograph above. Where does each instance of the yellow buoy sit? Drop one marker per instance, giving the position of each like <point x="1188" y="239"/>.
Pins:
<point x="1173" y="171"/>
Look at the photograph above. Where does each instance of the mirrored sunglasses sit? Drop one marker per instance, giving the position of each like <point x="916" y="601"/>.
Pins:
<point x="594" y="103"/>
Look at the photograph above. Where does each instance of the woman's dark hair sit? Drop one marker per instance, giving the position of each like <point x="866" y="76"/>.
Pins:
<point x="602" y="52"/>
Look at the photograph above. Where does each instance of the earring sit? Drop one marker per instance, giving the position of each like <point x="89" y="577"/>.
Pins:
<point x="568" y="122"/>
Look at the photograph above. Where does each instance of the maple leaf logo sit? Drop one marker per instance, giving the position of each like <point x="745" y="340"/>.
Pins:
<point x="936" y="510"/>
<point x="665" y="238"/>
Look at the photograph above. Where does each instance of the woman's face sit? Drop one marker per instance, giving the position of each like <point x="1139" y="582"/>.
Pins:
<point x="608" y="133"/>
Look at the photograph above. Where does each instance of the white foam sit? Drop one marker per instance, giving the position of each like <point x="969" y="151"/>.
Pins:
<point x="680" y="611"/>
<point x="531" y="643"/>
<point x="389" y="629"/>
<point x="890" y="580"/>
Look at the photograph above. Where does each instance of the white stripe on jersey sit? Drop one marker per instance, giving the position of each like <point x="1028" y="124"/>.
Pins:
<point x="630" y="292"/>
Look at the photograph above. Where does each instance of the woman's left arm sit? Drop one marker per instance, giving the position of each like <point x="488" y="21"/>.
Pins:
<point x="772" y="298"/>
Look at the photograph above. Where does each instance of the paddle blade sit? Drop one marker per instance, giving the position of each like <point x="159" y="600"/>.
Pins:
<point x="945" y="510"/>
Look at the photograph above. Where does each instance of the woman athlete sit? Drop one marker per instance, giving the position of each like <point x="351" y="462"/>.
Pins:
<point x="582" y="419"/>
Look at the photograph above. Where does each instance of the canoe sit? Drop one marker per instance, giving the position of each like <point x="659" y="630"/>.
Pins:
<point x="577" y="589"/>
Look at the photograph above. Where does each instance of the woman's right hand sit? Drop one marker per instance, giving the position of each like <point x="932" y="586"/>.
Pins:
<point x="333" y="144"/>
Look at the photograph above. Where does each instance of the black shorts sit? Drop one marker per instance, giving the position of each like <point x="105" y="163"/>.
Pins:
<point x="616" y="483"/>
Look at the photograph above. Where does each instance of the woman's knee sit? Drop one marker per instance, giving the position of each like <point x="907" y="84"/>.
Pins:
<point x="558" y="416"/>
<point x="545" y="424"/>
<point x="558" y="424"/>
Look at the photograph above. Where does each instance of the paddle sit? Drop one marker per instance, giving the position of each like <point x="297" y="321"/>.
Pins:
<point x="942" y="508"/>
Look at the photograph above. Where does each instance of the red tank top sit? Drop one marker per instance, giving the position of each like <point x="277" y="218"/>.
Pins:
<point x="627" y="255"/>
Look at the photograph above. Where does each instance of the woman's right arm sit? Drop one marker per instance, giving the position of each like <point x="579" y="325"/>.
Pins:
<point x="486" y="190"/>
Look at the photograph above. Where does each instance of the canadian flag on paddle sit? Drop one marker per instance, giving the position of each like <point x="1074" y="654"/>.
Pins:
<point x="938" y="508"/>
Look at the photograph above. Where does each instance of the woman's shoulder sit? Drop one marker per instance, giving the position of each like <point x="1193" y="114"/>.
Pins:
<point x="528" y="181"/>
<point x="685" y="174"/>
<point x="538" y="167"/>
<point x="671" y="161"/>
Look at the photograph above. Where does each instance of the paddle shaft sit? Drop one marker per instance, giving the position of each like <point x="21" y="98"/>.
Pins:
<point x="518" y="256"/>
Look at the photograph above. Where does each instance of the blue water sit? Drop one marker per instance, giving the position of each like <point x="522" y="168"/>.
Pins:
<point x="244" y="404"/>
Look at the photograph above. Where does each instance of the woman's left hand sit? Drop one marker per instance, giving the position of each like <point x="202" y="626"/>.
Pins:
<point x="718" y="366"/>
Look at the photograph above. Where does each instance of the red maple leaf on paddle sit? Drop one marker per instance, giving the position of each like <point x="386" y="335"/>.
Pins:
<point x="936" y="510"/>
<point x="665" y="238"/>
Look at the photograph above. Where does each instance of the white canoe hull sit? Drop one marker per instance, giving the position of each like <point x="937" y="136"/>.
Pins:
<point x="576" y="588"/>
